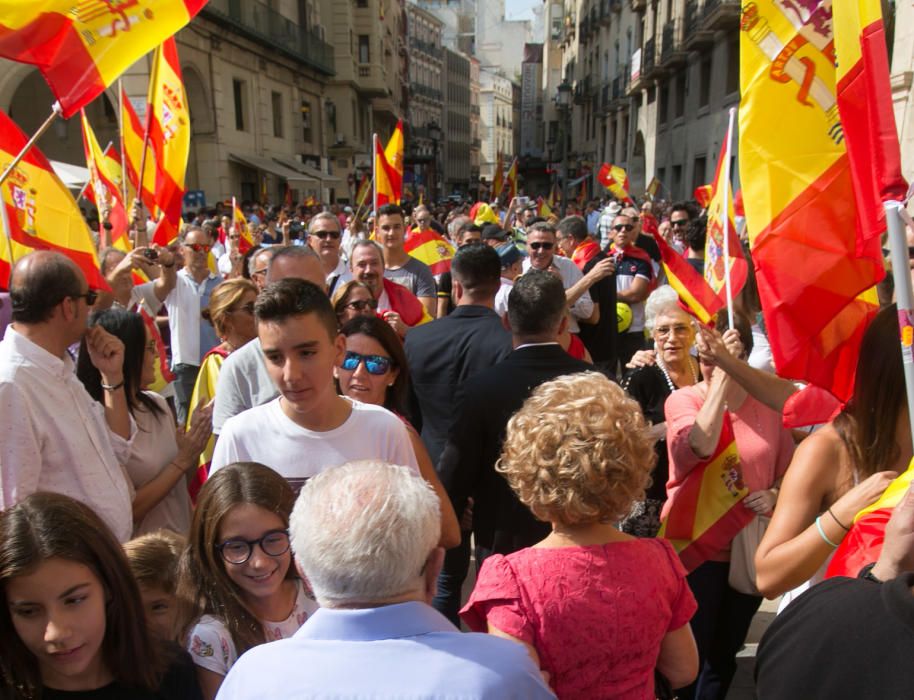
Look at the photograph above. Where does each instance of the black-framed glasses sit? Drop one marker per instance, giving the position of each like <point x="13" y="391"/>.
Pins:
<point x="623" y="227"/>
<point x="323" y="235"/>
<point x="91" y="297"/>
<point x="540" y="245"/>
<point x="375" y="364"/>
<point x="362" y="305"/>
<point x="679" y="222"/>
<point x="274" y="543"/>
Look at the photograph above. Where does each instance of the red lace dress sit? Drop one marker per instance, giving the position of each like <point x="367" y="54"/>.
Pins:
<point x="596" y="615"/>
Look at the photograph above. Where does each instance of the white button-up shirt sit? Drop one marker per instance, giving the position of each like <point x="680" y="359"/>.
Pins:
<point x="191" y="336"/>
<point x="55" y="437"/>
<point x="571" y="275"/>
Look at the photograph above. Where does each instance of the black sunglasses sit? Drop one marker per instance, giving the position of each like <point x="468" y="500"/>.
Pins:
<point x="679" y="222"/>
<point x="326" y="234"/>
<point x="375" y="364"/>
<point x="623" y="227"/>
<point x="91" y="297"/>
<point x="544" y="245"/>
<point x="363" y="304"/>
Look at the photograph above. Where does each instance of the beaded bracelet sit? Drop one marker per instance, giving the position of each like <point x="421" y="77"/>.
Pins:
<point x="822" y="532"/>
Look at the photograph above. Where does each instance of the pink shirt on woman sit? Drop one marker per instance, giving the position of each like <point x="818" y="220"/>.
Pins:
<point x="596" y="615"/>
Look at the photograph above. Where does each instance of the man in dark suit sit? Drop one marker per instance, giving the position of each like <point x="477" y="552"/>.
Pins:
<point x="537" y="315"/>
<point x="442" y="355"/>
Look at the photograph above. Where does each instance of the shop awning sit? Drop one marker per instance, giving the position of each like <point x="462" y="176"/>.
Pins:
<point x="271" y="166"/>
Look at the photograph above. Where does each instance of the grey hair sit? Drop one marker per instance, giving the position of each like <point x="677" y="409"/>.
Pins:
<point x="363" y="243"/>
<point x="323" y="215"/>
<point x="269" y="252"/>
<point x="658" y="303"/>
<point x="454" y="227"/>
<point x="290" y="251"/>
<point x="362" y="532"/>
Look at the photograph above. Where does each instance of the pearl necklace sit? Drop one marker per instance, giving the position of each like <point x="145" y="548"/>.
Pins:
<point x="666" y="374"/>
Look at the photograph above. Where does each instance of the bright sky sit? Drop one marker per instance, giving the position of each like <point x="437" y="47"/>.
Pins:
<point x="520" y="9"/>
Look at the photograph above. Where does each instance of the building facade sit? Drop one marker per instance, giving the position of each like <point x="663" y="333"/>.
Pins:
<point x="496" y="121"/>
<point x="457" y="129"/>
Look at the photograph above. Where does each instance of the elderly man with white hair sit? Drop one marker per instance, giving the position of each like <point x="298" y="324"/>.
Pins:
<point x="365" y="535"/>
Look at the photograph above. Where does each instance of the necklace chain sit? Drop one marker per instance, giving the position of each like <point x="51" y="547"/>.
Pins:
<point x="666" y="374"/>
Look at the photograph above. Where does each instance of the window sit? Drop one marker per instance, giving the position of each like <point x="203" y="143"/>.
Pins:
<point x="306" y="121"/>
<point x="680" y="95"/>
<point x="704" y="86"/>
<point x="677" y="181"/>
<point x="364" y="52"/>
<point x="732" y="84"/>
<point x="276" y="100"/>
<point x="699" y="168"/>
<point x="238" y="90"/>
<point x="664" y="91"/>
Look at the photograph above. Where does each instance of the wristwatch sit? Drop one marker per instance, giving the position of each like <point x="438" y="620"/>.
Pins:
<point x="866" y="573"/>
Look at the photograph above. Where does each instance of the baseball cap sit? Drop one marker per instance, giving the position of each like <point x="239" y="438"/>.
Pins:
<point x="509" y="254"/>
<point x="493" y="231"/>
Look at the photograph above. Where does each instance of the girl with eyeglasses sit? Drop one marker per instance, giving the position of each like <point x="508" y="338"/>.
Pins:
<point x="237" y="586"/>
<point x="374" y="370"/>
<point x="162" y="457"/>
<point x="231" y="313"/>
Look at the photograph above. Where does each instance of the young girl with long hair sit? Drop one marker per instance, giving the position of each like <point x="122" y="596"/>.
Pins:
<point x="237" y="587"/>
<point x="71" y="618"/>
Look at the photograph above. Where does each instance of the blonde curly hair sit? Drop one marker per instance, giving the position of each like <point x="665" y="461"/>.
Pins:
<point x="578" y="452"/>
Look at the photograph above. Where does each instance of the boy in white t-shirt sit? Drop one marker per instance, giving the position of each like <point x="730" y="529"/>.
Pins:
<point x="309" y="428"/>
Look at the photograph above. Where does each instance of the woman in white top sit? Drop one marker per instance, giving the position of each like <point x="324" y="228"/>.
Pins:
<point x="161" y="456"/>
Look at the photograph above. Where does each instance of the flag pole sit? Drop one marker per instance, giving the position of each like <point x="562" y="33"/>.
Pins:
<point x="898" y="247"/>
<point x="374" y="176"/>
<point x="153" y="79"/>
<point x="361" y="202"/>
<point x="120" y="126"/>
<point x="55" y="112"/>
<point x="725" y="216"/>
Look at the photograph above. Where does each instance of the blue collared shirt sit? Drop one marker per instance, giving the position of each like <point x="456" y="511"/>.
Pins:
<point x="407" y="650"/>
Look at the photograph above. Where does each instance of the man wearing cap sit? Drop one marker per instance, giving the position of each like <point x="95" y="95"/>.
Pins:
<point x="605" y="226"/>
<point x="512" y="266"/>
<point x="493" y="235"/>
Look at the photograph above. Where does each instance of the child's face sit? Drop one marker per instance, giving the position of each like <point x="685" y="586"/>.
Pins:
<point x="261" y="576"/>
<point x="161" y="610"/>
<point x="58" y="611"/>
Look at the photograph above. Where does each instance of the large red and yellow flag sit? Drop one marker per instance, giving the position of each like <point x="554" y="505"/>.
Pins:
<point x="702" y="195"/>
<point x="132" y="135"/>
<point x="615" y="179"/>
<point x="498" y="178"/>
<point x="431" y="248"/>
<point x="707" y="510"/>
<point x="39" y="210"/>
<point x="169" y="138"/>
<point x="103" y="191"/>
<point x="82" y="47"/>
<point x="815" y="273"/>
<point x="393" y="156"/>
<point x="721" y="218"/>
<point x="693" y="290"/>
<point x="385" y="178"/>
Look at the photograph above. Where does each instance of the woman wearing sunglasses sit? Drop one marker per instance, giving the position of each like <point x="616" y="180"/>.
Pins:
<point x="353" y="299"/>
<point x="374" y="371"/>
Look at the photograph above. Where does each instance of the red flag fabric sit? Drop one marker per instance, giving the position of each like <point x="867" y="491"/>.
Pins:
<point x="694" y="291"/>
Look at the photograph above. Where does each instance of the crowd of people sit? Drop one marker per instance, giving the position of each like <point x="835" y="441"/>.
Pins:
<point x="263" y="463"/>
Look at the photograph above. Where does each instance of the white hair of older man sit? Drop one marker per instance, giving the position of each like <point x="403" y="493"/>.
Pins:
<point x="362" y="532"/>
<point x="660" y="301"/>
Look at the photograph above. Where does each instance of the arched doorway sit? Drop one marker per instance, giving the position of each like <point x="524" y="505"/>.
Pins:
<point x="202" y="123"/>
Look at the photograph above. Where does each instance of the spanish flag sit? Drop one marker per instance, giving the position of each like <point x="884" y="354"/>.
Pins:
<point x="802" y="190"/>
<point x="102" y="189"/>
<point x="430" y="248"/>
<point x="82" y="47"/>
<point x="720" y="216"/>
<point x="702" y="195"/>
<point x="693" y="290"/>
<point x="707" y="511"/>
<point x="511" y="181"/>
<point x="498" y="178"/>
<point x="39" y="210"/>
<point x="241" y="225"/>
<point x="615" y="179"/>
<point x="653" y="188"/>
<point x="389" y="168"/>
<point x="542" y="208"/>
<point x="169" y="138"/>
<point x="132" y="135"/>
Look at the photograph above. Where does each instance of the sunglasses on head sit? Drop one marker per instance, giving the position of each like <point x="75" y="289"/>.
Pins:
<point x="326" y="234"/>
<point x="375" y="364"/>
<point x="540" y="245"/>
<point x="199" y="247"/>
<point x="623" y="227"/>
<point x="363" y="304"/>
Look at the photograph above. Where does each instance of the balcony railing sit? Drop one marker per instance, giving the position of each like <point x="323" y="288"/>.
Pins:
<point x="694" y="34"/>
<point x="266" y="26"/>
<point x="425" y="91"/>
<point x="425" y="47"/>
<point x="721" y="14"/>
<point x="672" y="51"/>
<point x="648" y="58"/>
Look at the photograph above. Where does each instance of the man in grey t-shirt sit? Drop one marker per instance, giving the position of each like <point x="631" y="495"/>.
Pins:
<point x="400" y="267"/>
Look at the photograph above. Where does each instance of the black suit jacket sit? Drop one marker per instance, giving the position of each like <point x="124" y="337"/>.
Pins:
<point x="501" y="523"/>
<point x="601" y="339"/>
<point x="442" y="355"/>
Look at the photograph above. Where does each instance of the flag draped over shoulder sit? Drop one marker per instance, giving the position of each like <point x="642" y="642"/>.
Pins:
<point x="720" y="216"/>
<point x="615" y="179"/>
<point x="430" y="248"/>
<point x="812" y="268"/>
<point x="707" y="510"/>
<point x="82" y="47"/>
<point x="169" y="138"/>
<point x="40" y="211"/>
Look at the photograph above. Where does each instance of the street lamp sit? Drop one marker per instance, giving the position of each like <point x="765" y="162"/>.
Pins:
<point x="563" y="105"/>
<point x="434" y="133"/>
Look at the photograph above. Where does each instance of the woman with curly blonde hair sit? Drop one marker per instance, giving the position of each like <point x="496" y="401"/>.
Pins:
<point x="597" y="609"/>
